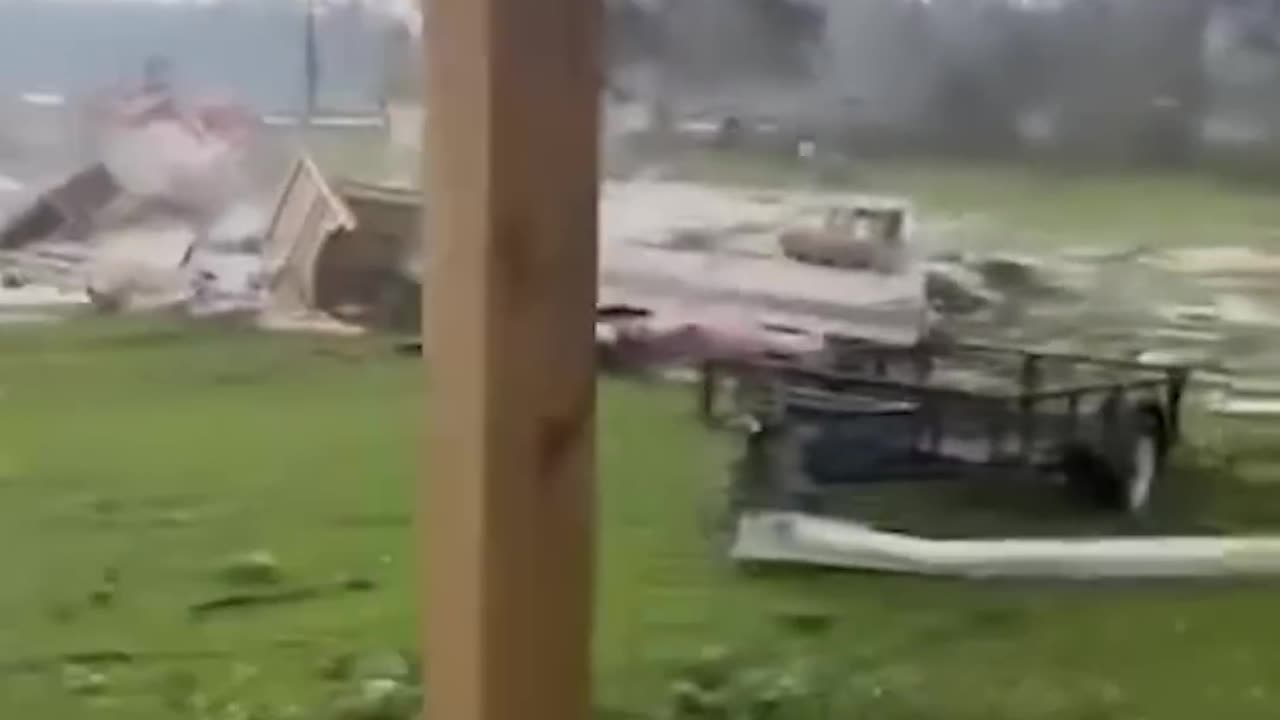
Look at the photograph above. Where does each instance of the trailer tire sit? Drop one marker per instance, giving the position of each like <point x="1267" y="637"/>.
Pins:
<point x="1125" y="474"/>
<point x="1090" y="478"/>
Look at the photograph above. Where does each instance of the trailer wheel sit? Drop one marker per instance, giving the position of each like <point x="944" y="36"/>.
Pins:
<point x="1125" y="474"/>
<point x="1090" y="477"/>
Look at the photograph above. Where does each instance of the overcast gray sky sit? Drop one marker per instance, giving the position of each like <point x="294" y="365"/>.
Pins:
<point x="408" y="11"/>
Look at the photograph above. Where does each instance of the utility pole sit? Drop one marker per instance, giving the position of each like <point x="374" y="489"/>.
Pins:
<point x="311" y="63"/>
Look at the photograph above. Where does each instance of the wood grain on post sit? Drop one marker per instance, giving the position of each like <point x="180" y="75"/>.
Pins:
<point x="511" y="208"/>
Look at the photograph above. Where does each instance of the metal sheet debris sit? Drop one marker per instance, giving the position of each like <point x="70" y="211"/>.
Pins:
<point x="776" y="537"/>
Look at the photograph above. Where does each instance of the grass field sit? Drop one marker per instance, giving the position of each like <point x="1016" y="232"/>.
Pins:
<point x="1029" y="206"/>
<point x="136" y="459"/>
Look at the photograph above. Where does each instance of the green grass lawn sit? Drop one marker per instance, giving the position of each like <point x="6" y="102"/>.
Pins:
<point x="152" y="454"/>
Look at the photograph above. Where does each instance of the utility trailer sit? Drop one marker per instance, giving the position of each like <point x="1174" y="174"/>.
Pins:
<point x="870" y="412"/>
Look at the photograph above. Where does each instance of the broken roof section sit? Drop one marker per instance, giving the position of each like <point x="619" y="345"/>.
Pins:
<point x="349" y="254"/>
<point x="67" y="209"/>
<point x="308" y="214"/>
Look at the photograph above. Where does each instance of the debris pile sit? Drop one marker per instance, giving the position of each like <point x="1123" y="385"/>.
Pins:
<point x="332" y="270"/>
<point x="1214" y="309"/>
<point x="310" y="264"/>
<point x="141" y="225"/>
<point x="163" y="218"/>
<point x="713" y="270"/>
<point x="688" y="272"/>
<point x="860" y="238"/>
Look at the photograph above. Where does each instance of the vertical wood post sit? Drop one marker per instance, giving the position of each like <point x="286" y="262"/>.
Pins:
<point x="512" y="106"/>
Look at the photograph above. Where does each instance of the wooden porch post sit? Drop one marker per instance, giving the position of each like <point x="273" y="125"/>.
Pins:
<point x="511" y="207"/>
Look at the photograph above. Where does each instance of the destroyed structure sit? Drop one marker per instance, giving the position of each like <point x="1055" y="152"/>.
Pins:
<point x="162" y="217"/>
<point x="352" y="250"/>
<point x="695" y="275"/>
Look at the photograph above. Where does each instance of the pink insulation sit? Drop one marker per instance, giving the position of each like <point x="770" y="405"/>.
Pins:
<point x="647" y="342"/>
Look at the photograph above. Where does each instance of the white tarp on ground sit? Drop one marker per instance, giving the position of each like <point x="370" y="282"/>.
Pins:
<point x="140" y="267"/>
<point x="37" y="304"/>
<point x="776" y="537"/>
